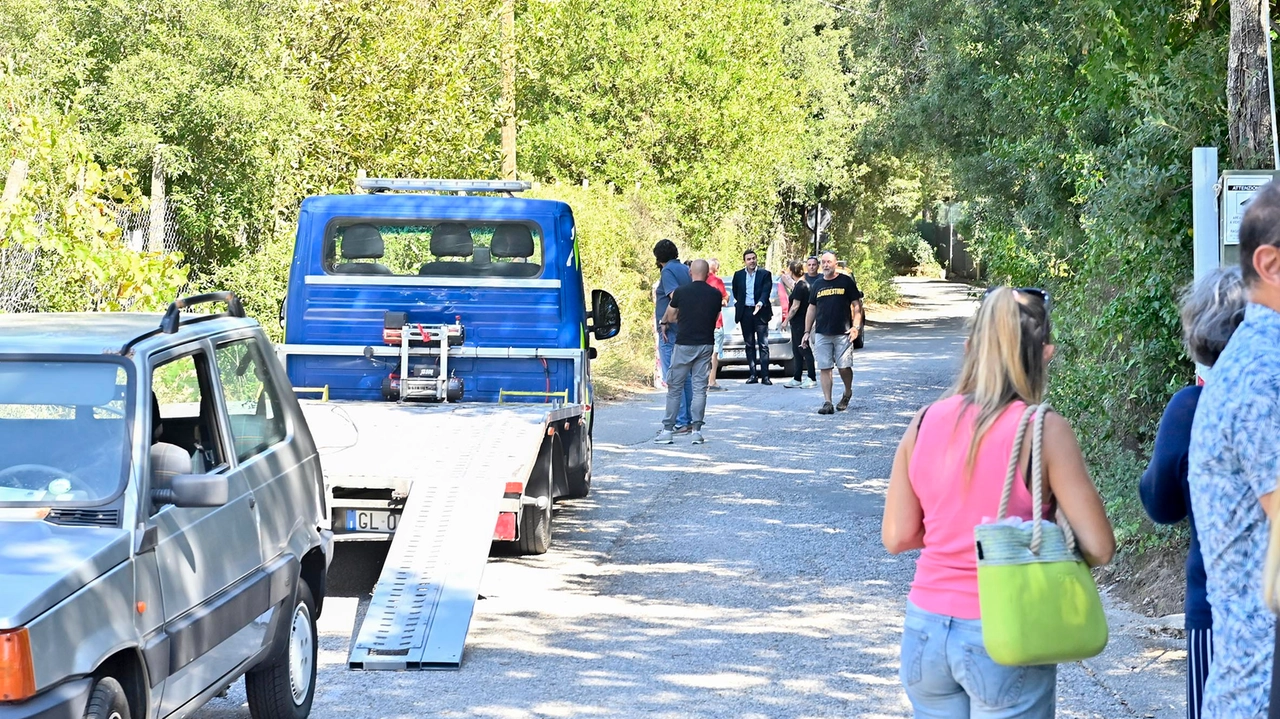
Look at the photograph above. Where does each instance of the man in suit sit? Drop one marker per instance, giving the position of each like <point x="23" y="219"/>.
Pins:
<point x="752" y="312"/>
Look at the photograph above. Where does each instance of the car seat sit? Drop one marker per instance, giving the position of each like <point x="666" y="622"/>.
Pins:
<point x="362" y="242"/>
<point x="449" y="239"/>
<point x="513" y="241"/>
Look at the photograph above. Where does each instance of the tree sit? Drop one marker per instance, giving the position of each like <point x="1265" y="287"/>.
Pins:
<point x="1248" y="101"/>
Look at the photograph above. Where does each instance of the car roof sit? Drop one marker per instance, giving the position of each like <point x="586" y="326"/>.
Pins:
<point x="97" y="333"/>
<point x="393" y="204"/>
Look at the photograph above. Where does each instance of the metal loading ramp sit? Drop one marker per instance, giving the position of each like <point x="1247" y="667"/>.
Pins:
<point x="423" y="601"/>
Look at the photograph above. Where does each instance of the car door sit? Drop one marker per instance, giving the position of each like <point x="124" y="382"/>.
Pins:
<point x="282" y="477"/>
<point x="206" y="555"/>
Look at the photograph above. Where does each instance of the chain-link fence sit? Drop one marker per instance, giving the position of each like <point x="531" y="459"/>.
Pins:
<point x="17" y="280"/>
<point x="136" y="228"/>
<point x="18" y="266"/>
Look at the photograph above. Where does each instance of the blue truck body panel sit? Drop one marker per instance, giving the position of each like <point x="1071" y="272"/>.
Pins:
<point x="546" y="310"/>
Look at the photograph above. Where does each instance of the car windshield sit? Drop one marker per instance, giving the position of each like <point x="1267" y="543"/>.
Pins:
<point x="64" y="431"/>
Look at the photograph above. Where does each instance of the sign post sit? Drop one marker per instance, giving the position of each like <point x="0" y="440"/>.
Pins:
<point x="817" y="219"/>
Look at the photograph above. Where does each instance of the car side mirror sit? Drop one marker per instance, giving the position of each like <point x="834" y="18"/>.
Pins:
<point x="195" y="490"/>
<point x="606" y="318"/>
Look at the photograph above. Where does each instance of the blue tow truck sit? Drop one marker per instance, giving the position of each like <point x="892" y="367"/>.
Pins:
<point x="445" y="328"/>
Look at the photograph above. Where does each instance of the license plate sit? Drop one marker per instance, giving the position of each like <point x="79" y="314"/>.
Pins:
<point x="372" y="520"/>
<point x="729" y="353"/>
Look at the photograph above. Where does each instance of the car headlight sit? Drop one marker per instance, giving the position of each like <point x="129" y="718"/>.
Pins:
<point x="17" y="674"/>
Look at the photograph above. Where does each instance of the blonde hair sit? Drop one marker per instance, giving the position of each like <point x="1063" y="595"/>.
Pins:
<point x="1004" y="359"/>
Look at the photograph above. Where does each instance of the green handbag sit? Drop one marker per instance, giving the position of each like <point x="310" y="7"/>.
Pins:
<point x="1039" y="602"/>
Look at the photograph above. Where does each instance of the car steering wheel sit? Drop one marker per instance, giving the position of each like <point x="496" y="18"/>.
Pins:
<point x="8" y="477"/>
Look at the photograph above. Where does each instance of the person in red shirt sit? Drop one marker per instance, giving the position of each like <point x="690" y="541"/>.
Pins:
<point x="717" y="283"/>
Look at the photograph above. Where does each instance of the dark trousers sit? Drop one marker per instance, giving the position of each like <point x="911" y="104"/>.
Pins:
<point x="755" y="333"/>
<point x="803" y="355"/>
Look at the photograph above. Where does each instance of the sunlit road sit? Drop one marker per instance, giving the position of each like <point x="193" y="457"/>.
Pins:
<point x="741" y="578"/>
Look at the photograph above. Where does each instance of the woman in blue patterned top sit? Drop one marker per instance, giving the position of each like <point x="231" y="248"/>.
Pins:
<point x="1211" y="310"/>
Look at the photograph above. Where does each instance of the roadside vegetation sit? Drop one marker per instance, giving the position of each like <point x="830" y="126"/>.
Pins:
<point x="1063" y="130"/>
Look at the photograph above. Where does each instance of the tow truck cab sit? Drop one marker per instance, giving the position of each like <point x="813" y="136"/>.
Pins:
<point x="506" y="269"/>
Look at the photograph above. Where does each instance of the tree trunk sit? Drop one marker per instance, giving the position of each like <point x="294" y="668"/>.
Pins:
<point x="1248" y="104"/>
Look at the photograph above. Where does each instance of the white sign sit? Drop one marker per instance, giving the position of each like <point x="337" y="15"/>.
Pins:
<point x="1237" y="193"/>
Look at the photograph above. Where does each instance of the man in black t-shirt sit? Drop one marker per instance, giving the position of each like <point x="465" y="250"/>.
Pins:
<point x="696" y="307"/>
<point x="831" y="326"/>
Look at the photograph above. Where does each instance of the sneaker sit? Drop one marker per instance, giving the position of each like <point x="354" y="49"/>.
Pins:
<point x="752" y="380"/>
<point x="808" y="384"/>
<point x="715" y="388"/>
<point x="697" y="438"/>
<point x="766" y="380"/>
<point x="844" y="401"/>
<point x="826" y="409"/>
<point x="685" y="429"/>
<point x="791" y="384"/>
<point x="666" y="436"/>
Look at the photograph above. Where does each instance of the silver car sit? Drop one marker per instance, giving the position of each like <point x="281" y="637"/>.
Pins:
<point x="162" y="528"/>
<point x="734" y="351"/>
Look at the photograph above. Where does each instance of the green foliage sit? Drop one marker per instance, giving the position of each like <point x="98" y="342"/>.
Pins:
<point x="1067" y="128"/>
<point x="61" y="210"/>
<point x="910" y="254"/>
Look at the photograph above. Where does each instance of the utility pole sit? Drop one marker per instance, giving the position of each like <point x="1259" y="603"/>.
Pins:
<point x="509" y="89"/>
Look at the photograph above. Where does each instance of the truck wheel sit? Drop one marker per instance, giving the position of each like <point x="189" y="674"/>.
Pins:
<point x="107" y="701"/>
<point x="580" y="471"/>
<point x="285" y="688"/>
<point x="535" y="529"/>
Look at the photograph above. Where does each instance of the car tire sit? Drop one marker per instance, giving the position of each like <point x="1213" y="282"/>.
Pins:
<point x="107" y="701"/>
<point x="789" y="367"/>
<point x="276" y="690"/>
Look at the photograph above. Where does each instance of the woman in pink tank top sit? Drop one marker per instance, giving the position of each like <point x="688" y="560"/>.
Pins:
<point x="947" y="478"/>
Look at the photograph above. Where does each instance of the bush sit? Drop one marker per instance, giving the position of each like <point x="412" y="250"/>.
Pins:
<point x="910" y="254"/>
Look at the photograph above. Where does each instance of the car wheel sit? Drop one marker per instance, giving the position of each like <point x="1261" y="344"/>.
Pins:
<point x="789" y="367"/>
<point x="107" y="701"/>
<point x="285" y="688"/>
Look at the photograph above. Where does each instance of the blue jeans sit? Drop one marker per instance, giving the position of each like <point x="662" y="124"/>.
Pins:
<point x="664" y="354"/>
<point x="948" y="674"/>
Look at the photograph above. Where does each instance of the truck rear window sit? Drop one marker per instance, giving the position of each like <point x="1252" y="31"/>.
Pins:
<point x="445" y="248"/>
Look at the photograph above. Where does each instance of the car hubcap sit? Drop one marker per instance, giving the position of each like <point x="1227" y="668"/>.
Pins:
<point x="300" y="651"/>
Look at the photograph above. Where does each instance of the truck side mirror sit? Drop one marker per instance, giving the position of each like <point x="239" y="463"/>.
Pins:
<point x="606" y="318"/>
<point x="195" y="490"/>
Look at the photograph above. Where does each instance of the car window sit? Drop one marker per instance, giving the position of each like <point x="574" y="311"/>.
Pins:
<point x="253" y="405"/>
<point x="64" y="431"/>
<point x="183" y="413"/>
<point x="446" y="248"/>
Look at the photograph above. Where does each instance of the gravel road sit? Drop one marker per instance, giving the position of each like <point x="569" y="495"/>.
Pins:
<point x="741" y="578"/>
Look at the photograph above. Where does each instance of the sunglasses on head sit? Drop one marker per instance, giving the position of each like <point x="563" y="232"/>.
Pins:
<point x="1033" y="291"/>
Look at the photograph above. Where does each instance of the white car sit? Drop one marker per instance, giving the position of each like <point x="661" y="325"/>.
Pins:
<point x="734" y="351"/>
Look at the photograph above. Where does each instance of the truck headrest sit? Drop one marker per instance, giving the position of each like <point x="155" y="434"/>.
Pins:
<point x="362" y="242"/>
<point x="451" y="239"/>
<point x="512" y="241"/>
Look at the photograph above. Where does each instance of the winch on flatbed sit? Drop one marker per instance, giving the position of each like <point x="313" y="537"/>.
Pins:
<point x="424" y="382"/>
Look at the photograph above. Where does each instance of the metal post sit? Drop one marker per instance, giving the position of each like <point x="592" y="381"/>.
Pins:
<point x="817" y="231"/>
<point x="509" y="89"/>
<point x="1265" y="19"/>
<point x="951" y="240"/>
<point x="442" y="382"/>
<point x="1206" y="248"/>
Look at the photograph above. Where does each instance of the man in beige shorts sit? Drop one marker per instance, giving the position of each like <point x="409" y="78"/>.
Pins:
<point x="831" y="326"/>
